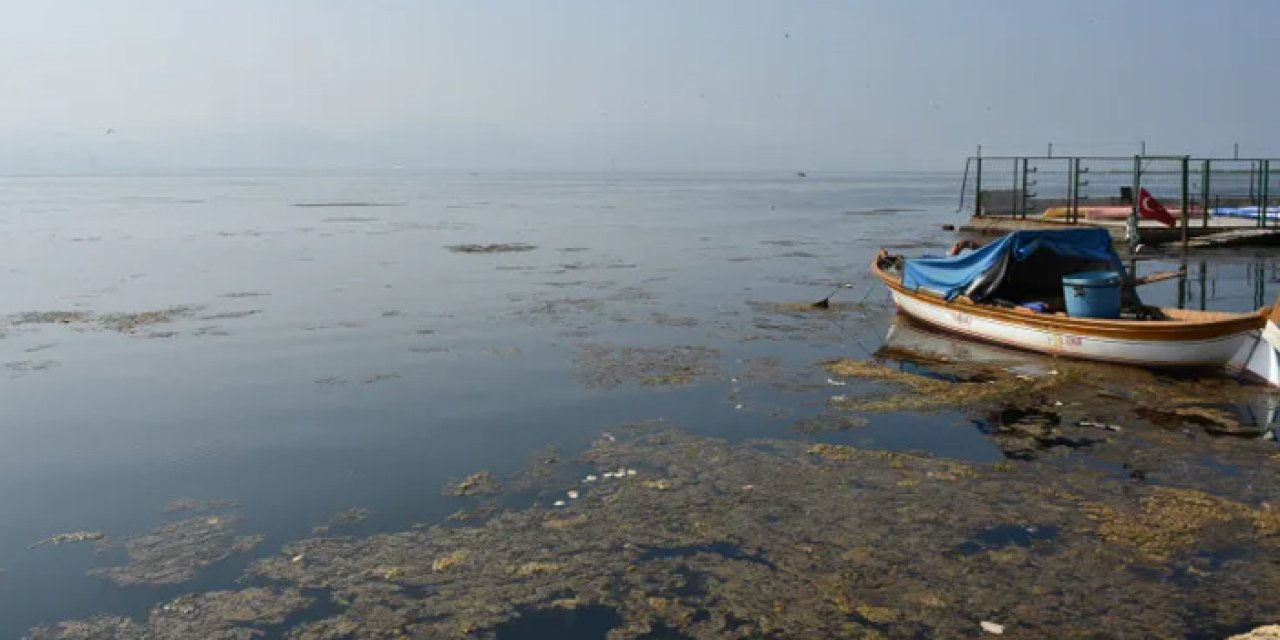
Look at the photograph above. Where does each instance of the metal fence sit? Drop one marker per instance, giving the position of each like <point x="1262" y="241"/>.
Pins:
<point x="1081" y="189"/>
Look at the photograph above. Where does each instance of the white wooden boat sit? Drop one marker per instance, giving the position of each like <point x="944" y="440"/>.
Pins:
<point x="1157" y="337"/>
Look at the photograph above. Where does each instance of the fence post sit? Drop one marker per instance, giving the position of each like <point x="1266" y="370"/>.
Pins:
<point x="1204" y="195"/>
<point x="1255" y="167"/>
<point x="1014" y="207"/>
<point x="1263" y="189"/>
<point x="1022" y="198"/>
<point x="1073" y="179"/>
<point x="977" y="189"/>
<point x="1186" y="219"/>
<point x="1131" y="229"/>
<point x="1080" y="182"/>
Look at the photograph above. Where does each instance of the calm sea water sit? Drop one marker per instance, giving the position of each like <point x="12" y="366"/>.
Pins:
<point x="371" y="365"/>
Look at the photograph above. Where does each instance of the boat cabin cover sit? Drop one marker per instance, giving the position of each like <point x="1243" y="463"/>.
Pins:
<point x="1022" y="266"/>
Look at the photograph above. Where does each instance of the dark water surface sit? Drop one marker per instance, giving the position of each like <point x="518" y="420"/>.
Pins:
<point x="340" y="356"/>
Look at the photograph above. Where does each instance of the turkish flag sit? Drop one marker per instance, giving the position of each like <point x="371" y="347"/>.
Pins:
<point x="1151" y="209"/>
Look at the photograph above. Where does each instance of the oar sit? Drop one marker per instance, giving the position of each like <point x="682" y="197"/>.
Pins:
<point x="1159" y="277"/>
<point x="825" y="303"/>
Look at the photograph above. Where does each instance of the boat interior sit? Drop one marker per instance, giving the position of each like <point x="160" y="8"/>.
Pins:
<point x="1019" y="285"/>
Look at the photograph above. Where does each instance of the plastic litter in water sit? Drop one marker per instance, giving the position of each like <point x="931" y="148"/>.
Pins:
<point x="573" y="494"/>
<point x="992" y="628"/>
<point x="590" y="478"/>
<point x="558" y="503"/>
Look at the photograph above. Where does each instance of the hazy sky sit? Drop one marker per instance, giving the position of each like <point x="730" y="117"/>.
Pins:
<point x="551" y="84"/>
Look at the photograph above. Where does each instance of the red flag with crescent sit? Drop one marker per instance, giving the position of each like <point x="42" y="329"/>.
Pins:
<point x="1151" y="209"/>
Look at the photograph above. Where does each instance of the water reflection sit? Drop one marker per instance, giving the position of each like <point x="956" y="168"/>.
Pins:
<point x="908" y="340"/>
<point x="1246" y="278"/>
<point x="1210" y="400"/>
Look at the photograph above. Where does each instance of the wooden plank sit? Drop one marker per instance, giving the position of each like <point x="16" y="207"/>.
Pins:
<point x="1158" y="277"/>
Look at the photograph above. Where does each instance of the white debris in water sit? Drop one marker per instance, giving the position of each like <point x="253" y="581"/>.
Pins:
<point x="991" y="627"/>
<point x="737" y="406"/>
<point x="590" y="478"/>
<point x="608" y="436"/>
<point x="839" y="398"/>
<point x="558" y="503"/>
<point x="573" y="494"/>
<point x="608" y="474"/>
<point x="631" y="472"/>
<point x="836" y="383"/>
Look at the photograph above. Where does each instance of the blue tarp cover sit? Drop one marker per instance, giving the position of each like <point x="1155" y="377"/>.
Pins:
<point x="950" y="277"/>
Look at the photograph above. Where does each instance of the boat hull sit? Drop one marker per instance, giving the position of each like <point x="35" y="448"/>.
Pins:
<point x="1190" y="351"/>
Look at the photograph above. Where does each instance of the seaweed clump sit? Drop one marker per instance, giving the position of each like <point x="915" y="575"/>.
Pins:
<point x="190" y="505"/>
<point x="806" y="308"/>
<point x="1168" y="521"/>
<point x="121" y="322"/>
<point x="827" y="422"/>
<point x="474" y="484"/>
<point x="225" y="615"/>
<point x="960" y="387"/>
<point x="341" y="520"/>
<point x="499" y="247"/>
<point x="666" y="320"/>
<point x="772" y="538"/>
<point x="609" y="368"/>
<point x="173" y="553"/>
<point x="50" y="317"/>
<point x="804" y="320"/>
<point x="73" y="537"/>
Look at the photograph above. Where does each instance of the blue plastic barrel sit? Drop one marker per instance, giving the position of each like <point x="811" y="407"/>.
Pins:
<point x="1092" y="294"/>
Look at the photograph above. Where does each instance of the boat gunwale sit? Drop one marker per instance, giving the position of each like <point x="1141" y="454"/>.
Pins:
<point x="1181" y="330"/>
